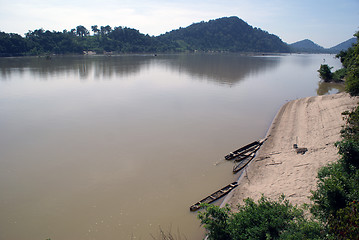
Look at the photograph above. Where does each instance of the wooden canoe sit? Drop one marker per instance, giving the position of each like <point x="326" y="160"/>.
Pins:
<point x="214" y="196"/>
<point x="246" y="153"/>
<point x="242" y="150"/>
<point x="239" y="166"/>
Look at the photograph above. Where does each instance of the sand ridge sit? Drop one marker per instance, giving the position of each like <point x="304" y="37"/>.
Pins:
<point x="313" y="123"/>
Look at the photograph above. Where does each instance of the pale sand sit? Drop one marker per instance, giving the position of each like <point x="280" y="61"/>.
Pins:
<point x="313" y="123"/>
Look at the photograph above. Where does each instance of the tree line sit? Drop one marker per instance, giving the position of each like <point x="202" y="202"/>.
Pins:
<point x="225" y="34"/>
<point x="78" y="40"/>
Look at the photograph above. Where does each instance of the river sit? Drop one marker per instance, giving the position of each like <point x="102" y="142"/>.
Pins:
<point x="96" y="147"/>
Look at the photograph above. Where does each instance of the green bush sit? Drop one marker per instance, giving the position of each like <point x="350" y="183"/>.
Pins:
<point x="345" y="226"/>
<point x="216" y="221"/>
<point x="351" y="128"/>
<point x="265" y="219"/>
<point x="325" y="72"/>
<point x="352" y="81"/>
<point x="332" y="191"/>
<point x="338" y="184"/>
<point x="350" y="61"/>
<point x="339" y="74"/>
<point x="349" y="146"/>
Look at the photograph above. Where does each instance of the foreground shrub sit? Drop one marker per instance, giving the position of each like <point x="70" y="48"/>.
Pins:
<point x="350" y="61"/>
<point x="265" y="219"/>
<point x="352" y="81"/>
<point x="346" y="223"/>
<point x="216" y="221"/>
<point x="351" y="128"/>
<point x="339" y="74"/>
<point x="334" y="201"/>
<point x="333" y="191"/>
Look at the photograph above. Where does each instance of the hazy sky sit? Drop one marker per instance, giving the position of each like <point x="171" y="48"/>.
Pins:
<point x="326" y="22"/>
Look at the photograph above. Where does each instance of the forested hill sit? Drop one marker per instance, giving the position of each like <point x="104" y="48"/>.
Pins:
<point x="229" y="34"/>
<point x="225" y="34"/>
<point x="308" y="46"/>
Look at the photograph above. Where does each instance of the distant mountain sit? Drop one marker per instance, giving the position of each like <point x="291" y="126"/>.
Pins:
<point x="343" y="46"/>
<point x="306" y="46"/>
<point x="224" y="34"/>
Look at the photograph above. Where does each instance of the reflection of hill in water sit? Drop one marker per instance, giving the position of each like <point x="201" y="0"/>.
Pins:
<point x="85" y="67"/>
<point x="222" y="68"/>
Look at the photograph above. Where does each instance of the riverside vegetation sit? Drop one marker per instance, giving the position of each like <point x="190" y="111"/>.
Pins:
<point x="335" y="202"/>
<point x="229" y="34"/>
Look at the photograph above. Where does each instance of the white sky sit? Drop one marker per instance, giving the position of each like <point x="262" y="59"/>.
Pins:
<point x="326" y="22"/>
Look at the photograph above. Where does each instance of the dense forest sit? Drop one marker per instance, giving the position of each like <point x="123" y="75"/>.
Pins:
<point x="225" y="34"/>
<point x="229" y="34"/>
<point x="78" y="41"/>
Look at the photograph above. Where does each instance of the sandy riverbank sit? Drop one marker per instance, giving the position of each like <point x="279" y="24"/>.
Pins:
<point x="313" y="123"/>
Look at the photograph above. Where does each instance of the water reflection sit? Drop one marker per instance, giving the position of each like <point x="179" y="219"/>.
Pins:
<point x="329" y="88"/>
<point x="84" y="67"/>
<point x="220" y="68"/>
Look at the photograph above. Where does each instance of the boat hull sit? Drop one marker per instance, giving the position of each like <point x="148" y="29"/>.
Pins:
<point x="247" y="148"/>
<point x="214" y="196"/>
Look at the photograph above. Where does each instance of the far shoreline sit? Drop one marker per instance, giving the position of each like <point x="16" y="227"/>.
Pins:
<point x="155" y="54"/>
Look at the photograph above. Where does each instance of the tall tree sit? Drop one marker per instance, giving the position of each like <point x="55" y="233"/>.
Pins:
<point x="82" y="31"/>
<point x="105" y="30"/>
<point x="95" y="29"/>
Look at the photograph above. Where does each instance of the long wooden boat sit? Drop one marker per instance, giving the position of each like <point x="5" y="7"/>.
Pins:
<point x="246" y="153"/>
<point x="214" y="196"/>
<point x="243" y="163"/>
<point x="242" y="150"/>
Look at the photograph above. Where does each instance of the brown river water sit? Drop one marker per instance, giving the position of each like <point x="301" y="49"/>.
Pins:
<point x="120" y="147"/>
